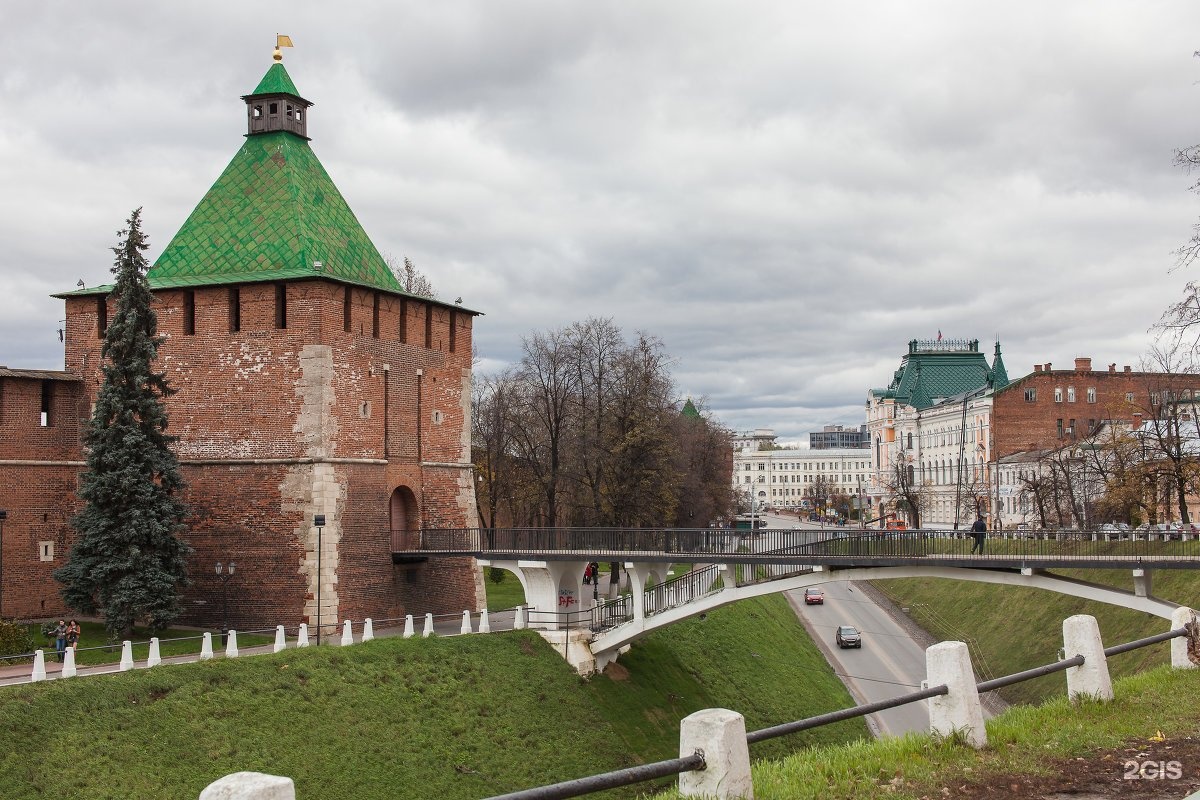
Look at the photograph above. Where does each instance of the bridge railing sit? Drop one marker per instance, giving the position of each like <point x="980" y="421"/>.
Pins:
<point x="611" y="613"/>
<point x="793" y="545"/>
<point x="683" y="589"/>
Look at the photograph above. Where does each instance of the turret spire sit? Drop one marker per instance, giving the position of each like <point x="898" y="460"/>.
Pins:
<point x="276" y="104"/>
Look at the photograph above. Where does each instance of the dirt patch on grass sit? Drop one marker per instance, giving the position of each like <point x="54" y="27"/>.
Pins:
<point x="616" y="672"/>
<point x="1145" y="769"/>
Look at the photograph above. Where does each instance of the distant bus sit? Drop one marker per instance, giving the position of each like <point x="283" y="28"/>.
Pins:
<point x="743" y="523"/>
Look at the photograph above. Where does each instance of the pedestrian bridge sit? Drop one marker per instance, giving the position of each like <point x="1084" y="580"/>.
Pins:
<point x="724" y="566"/>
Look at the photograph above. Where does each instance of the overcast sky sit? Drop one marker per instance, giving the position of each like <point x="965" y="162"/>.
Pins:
<point x="784" y="192"/>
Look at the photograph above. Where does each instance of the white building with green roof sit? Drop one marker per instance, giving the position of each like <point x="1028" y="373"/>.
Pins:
<point x="930" y="433"/>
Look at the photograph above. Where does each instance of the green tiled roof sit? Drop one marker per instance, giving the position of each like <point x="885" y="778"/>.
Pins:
<point x="274" y="214"/>
<point x="689" y="410"/>
<point x="928" y="374"/>
<point x="276" y="81"/>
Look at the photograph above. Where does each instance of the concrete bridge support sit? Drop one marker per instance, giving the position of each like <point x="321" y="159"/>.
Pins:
<point x="553" y="589"/>
<point x="1141" y="583"/>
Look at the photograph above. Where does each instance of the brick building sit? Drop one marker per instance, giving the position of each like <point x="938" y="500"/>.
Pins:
<point x="308" y="382"/>
<point x="1050" y="408"/>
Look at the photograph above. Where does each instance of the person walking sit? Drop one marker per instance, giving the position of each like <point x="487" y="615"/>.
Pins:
<point x="60" y="639"/>
<point x="978" y="532"/>
<point x="73" y="635"/>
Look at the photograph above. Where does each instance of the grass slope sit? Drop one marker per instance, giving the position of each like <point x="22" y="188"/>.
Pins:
<point x="1012" y="628"/>
<point x="753" y="657"/>
<point x="460" y="717"/>
<point x="455" y="717"/>
<point x="1023" y="741"/>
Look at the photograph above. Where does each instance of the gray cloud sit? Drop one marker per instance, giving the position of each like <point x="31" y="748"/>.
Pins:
<point x="784" y="193"/>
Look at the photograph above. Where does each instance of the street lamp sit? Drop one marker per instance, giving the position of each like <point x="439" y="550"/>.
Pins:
<point x="319" y="522"/>
<point x="224" y="574"/>
<point x="3" y="516"/>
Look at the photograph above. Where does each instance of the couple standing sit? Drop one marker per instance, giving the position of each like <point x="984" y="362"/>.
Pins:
<point x="65" y="635"/>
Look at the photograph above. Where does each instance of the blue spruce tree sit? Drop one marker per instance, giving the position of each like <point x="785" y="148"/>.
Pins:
<point x="129" y="562"/>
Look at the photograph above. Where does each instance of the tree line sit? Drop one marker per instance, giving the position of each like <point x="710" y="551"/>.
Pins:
<point x="587" y="431"/>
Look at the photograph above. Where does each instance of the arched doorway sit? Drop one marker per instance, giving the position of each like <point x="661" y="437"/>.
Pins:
<point x="404" y="518"/>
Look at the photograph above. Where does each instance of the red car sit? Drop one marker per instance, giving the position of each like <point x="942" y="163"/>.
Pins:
<point x="814" y="597"/>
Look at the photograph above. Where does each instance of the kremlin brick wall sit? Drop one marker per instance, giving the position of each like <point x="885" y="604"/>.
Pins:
<point x="292" y="399"/>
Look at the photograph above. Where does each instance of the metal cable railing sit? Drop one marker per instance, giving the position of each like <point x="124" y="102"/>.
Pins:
<point x="582" y="786"/>
<point x="609" y="780"/>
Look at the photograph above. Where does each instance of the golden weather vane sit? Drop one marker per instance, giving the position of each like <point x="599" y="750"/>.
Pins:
<point x="281" y="41"/>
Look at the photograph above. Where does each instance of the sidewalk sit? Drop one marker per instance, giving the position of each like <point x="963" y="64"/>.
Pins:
<point x="17" y="674"/>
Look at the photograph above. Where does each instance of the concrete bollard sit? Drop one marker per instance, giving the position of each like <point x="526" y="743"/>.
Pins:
<point x="1081" y="637"/>
<point x="368" y="630"/>
<point x="231" y="650"/>
<point x="39" y="667"/>
<point x="408" y="627"/>
<point x="347" y="633"/>
<point x="1179" y="645"/>
<point x="280" y="639"/>
<point x="250" y="786"/>
<point x="68" y="670"/>
<point x="126" y="656"/>
<point x="720" y="734"/>
<point x="958" y="711"/>
<point x="484" y="625"/>
<point x="519" y="618"/>
<point x="302" y="635"/>
<point x="206" y="647"/>
<point x="155" y="657"/>
<point x="466" y="623"/>
<point x="428" y="631"/>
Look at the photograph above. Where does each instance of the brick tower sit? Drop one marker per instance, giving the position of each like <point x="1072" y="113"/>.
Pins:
<point x="308" y="383"/>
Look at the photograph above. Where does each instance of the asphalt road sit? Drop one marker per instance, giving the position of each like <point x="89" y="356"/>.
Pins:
<point x="888" y="664"/>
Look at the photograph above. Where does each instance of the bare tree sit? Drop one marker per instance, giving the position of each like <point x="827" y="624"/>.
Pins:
<point x="1169" y="429"/>
<point x="492" y="449"/>
<point x="546" y="387"/>
<point x="411" y="279"/>
<point x="972" y="494"/>
<point x="589" y="421"/>
<point x="1115" y="473"/>
<point x="597" y="344"/>
<point x="1068" y="486"/>
<point x="909" y="494"/>
<point x="1037" y="489"/>
<point x="820" y="491"/>
<point x="1183" y="317"/>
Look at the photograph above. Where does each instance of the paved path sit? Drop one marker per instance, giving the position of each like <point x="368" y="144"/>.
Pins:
<point x="446" y="625"/>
